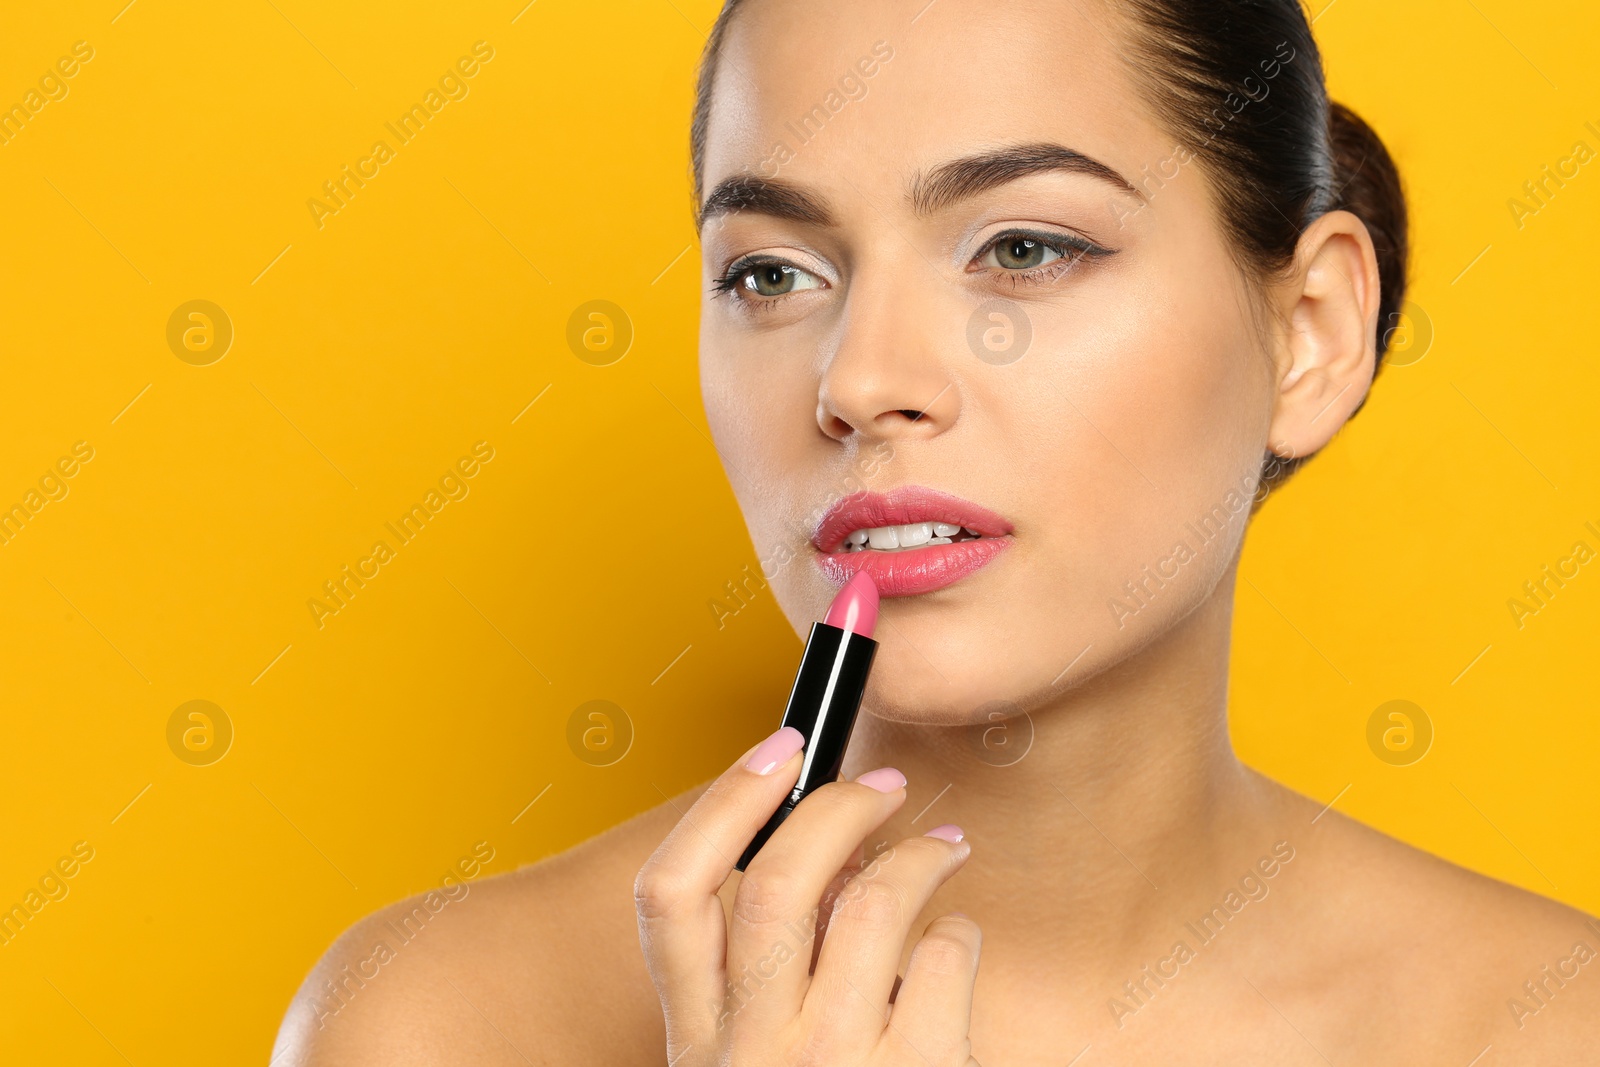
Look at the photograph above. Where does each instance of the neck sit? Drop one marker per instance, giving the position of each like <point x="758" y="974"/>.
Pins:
<point x="1127" y="804"/>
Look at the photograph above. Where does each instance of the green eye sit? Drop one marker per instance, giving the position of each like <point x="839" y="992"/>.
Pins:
<point x="1021" y="253"/>
<point x="776" y="279"/>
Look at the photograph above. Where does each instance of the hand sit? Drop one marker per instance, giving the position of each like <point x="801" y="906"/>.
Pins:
<point x="737" y="991"/>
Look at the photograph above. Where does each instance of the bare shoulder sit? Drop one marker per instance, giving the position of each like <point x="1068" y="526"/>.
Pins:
<point x="537" y="965"/>
<point x="1437" y="958"/>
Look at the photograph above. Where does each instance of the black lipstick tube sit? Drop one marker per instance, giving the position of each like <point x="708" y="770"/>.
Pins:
<point x="822" y="706"/>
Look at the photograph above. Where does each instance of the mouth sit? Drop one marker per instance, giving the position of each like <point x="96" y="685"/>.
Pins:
<point x="911" y="540"/>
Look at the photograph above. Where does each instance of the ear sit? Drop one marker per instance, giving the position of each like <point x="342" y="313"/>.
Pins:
<point x="1326" y="356"/>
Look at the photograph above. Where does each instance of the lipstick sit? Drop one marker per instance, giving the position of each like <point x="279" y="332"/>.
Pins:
<point x="827" y="694"/>
<point x="976" y="537"/>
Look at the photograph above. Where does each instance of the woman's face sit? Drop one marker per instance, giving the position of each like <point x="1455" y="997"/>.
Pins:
<point x="925" y="267"/>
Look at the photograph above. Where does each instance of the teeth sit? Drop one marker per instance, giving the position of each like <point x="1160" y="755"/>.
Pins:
<point x="917" y="533"/>
<point x="908" y="535"/>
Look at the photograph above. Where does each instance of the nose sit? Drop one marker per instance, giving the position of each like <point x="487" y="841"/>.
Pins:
<point x="884" y="377"/>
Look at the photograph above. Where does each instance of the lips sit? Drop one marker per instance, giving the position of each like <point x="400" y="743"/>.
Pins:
<point x="908" y="572"/>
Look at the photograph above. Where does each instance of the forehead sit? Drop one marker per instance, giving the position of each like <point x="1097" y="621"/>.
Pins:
<point x="844" y="90"/>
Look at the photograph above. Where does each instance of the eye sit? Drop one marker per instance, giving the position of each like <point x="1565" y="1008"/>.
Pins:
<point x="1017" y="252"/>
<point x="1023" y="256"/>
<point x="766" y="279"/>
<point x="776" y="279"/>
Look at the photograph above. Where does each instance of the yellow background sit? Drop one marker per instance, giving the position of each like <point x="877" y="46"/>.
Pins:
<point x="371" y="754"/>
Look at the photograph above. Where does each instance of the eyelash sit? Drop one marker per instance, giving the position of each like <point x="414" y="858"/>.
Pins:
<point x="1069" y="247"/>
<point x="740" y="268"/>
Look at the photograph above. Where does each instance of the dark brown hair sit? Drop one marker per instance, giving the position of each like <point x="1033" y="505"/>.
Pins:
<point x="1239" y="84"/>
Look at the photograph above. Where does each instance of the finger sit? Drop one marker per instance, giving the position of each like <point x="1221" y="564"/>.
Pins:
<point x="870" y="926"/>
<point x="680" y="917"/>
<point x="932" y="1016"/>
<point x="831" y="894"/>
<point x="772" y="928"/>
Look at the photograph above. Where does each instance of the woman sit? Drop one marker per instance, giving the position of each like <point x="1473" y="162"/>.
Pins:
<point x="1105" y="273"/>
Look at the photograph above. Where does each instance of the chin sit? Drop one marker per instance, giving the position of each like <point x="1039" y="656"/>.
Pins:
<point x="933" y="669"/>
<point x="972" y="660"/>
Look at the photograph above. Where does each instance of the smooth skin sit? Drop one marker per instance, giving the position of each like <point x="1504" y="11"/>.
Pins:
<point x="1157" y="377"/>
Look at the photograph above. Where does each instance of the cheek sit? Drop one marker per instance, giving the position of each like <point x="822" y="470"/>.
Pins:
<point x="1125" y="441"/>
<point x="760" y="408"/>
<point x="1154" y="421"/>
<point x="1128" y="421"/>
<point x="1173" y="384"/>
<point x="757" y="406"/>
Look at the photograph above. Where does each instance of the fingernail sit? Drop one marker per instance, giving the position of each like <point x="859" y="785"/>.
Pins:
<point x="884" y="779"/>
<point x="948" y="832"/>
<point x="775" y="751"/>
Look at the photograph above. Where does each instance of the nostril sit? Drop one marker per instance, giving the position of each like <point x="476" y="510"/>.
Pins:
<point x="838" y="428"/>
<point x="911" y="414"/>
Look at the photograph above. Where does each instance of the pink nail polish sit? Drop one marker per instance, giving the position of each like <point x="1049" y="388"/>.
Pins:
<point x="947" y="832"/>
<point x="775" y="751"/>
<point x="884" y="779"/>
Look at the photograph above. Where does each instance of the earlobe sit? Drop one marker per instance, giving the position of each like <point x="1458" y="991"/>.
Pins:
<point x="1328" y="352"/>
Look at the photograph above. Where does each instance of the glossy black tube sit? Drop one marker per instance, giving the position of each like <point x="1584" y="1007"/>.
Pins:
<point x="822" y="705"/>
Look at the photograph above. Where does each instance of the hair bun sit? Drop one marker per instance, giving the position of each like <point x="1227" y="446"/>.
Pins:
<point x="1367" y="184"/>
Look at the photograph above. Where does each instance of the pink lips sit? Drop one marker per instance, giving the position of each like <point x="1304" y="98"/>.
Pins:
<point x="916" y="570"/>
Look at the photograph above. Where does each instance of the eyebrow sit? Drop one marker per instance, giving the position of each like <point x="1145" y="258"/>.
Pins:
<point x="764" y="196"/>
<point x="946" y="184"/>
<point x="967" y="177"/>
